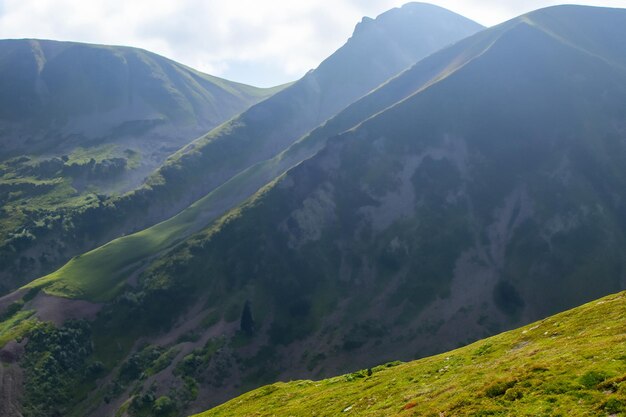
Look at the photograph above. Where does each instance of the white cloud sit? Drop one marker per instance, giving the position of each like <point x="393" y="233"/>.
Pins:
<point x="259" y="42"/>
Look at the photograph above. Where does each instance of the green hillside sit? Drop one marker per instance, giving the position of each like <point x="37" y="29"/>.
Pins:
<point x="80" y="123"/>
<point x="570" y="364"/>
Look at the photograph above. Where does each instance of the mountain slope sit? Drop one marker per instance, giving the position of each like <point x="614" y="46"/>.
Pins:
<point x="79" y="122"/>
<point x="569" y="364"/>
<point x="378" y="49"/>
<point x="480" y="190"/>
<point x="64" y="94"/>
<point x="482" y="201"/>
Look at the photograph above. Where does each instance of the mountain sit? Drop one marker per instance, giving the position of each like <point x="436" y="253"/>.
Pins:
<point x="568" y="364"/>
<point x="379" y="49"/>
<point x="79" y="122"/>
<point x="479" y="190"/>
<point x="385" y="57"/>
<point x="60" y="95"/>
<point x="483" y="198"/>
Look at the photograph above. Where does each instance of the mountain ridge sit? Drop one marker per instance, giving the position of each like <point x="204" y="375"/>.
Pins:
<point x="42" y="61"/>
<point x="270" y="126"/>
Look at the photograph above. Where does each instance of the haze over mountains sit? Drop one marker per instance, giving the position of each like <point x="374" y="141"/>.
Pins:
<point x="428" y="185"/>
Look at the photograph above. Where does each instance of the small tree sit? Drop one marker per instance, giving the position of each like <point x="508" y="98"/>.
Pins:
<point x="163" y="406"/>
<point x="247" y="322"/>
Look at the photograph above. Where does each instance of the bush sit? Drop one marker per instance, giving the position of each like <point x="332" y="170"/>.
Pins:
<point x="163" y="406"/>
<point x="53" y="366"/>
<point x="613" y="406"/>
<point x="592" y="378"/>
<point x="498" y="388"/>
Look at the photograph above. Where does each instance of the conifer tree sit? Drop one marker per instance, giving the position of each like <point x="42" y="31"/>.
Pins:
<point x="247" y="322"/>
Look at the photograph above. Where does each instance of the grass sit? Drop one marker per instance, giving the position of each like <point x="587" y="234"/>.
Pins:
<point x="572" y="363"/>
<point x="16" y="326"/>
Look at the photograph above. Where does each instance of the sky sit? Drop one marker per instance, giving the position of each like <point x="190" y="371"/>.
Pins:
<point x="258" y="42"/>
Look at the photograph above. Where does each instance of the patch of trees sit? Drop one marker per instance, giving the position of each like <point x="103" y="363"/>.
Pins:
<point x="54" y="365"/>
<point x="107" y="168"/>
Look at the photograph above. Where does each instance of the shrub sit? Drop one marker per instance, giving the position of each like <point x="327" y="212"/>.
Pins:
<point x="613" y="406"/>
<point x="53" y="367"/>
<point x="513" y="394"/>
<point x="498" y="388"/>
<point x="592" y="378"/>
<point x="163" y="406"/>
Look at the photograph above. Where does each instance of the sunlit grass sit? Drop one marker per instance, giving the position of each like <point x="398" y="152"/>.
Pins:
<point x="571" y="364"/>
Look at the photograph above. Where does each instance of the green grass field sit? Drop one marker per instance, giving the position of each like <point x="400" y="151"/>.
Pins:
<point x="571" y="364"/>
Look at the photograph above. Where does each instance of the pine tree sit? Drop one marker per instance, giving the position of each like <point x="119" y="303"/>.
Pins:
<point x="247" y="322"/>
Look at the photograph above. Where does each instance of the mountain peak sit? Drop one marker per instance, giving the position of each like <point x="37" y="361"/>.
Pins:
<point x="409" y="13"/>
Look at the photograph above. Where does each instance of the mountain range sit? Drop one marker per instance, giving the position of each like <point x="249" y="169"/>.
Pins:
<point x="80" y="123"/>
<point x="430" y="184"/>
<point x="379" y="49"/>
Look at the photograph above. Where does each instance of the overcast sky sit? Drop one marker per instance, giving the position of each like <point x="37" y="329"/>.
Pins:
<point x="260" y="42"/>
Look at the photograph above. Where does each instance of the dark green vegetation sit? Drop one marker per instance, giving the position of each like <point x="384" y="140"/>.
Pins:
<point x="480" y="189"/>
<point x="56" y="369"/>
<point x="571" y="364"/>
<point x="80" y="123"/>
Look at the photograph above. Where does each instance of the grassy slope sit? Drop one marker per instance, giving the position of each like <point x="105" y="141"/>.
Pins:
<point x="569" y="364"/>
